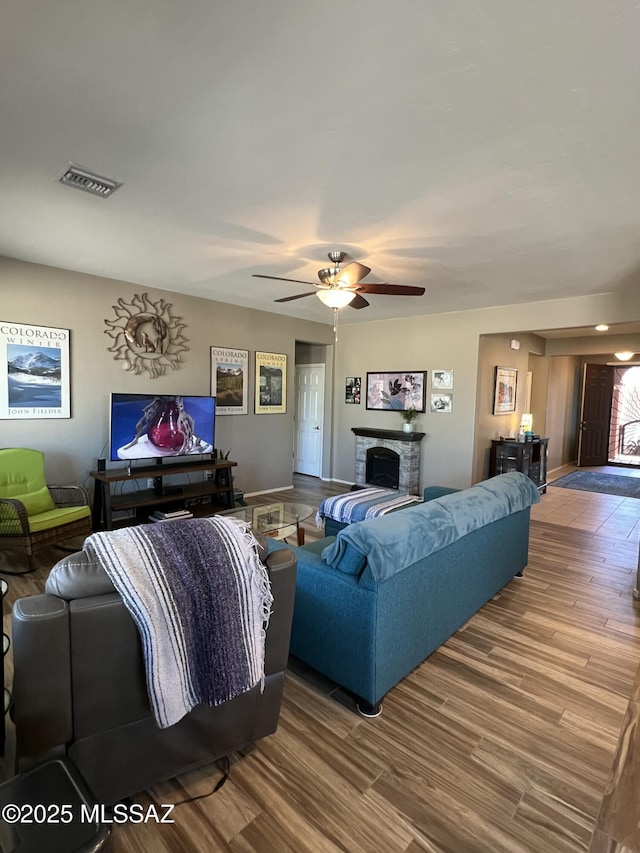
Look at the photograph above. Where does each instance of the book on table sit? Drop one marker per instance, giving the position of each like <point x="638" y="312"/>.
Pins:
<point x="167" y="516"/>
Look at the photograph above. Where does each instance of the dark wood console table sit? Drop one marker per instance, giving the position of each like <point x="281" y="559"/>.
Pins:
<point x="105" y="502"/>
<point x="530" y="457"/>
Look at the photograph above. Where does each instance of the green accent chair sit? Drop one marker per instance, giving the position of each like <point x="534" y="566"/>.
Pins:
<point x="32" y="514"/>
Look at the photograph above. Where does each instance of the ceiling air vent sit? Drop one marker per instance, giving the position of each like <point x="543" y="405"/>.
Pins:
<point x="81" y="179"/>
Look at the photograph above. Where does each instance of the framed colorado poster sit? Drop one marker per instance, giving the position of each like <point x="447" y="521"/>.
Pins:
<point x="271" y="383"/>
<point x="230" y="380"/>
<point x="34" y="371"/>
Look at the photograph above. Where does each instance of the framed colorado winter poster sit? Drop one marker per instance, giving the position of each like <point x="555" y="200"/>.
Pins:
<point x="34" y="371"/>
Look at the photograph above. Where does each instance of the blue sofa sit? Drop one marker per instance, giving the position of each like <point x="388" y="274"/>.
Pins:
<point x="374" y="601"/>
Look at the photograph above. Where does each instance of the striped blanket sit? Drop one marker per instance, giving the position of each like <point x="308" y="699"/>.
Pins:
<point x="362" y="504"/>
<point x="201" y="600"/>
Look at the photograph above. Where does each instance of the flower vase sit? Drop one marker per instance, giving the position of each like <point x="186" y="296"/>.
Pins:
<point x="166" y="430"/>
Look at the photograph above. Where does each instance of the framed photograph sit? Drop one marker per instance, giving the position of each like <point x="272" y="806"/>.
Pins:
<point x="442" y="380"/>
<point x="271" y="383"/>
<point x="352" y="389"/>
<point x="504" y="392"/>
<point x="442" y="403"/>
<point x="34" y="367"/>
<point x="230" y="380"/>
<point x="396" y="391"/>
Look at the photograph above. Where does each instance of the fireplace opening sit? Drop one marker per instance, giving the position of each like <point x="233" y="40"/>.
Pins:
<point x="383" y="468"/>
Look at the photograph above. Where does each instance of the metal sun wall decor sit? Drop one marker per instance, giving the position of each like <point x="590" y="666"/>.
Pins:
<point x="146" y="335"/>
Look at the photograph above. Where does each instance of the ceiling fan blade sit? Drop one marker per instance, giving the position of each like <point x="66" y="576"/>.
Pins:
<point x="391" y="289"/>
<point x="358" y="302"/>
<point x="297" y="296"/>
<point x="352" y="273"/>
<point x="277" y="278"/>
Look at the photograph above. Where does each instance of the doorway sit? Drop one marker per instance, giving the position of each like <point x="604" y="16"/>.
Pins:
<point x="624" y="433"/>
<point x="610" y="416"/>
<point x="307" y="457"/>
<point x="595" y="415"/>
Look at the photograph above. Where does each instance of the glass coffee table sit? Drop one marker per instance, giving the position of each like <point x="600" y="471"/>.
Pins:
<point x="279" y="519"/>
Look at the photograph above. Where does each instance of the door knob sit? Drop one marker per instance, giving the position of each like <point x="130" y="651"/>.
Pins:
<point x="316" y="427"/>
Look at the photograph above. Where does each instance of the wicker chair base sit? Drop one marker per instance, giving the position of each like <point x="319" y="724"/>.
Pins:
<point x="28" y="545"/>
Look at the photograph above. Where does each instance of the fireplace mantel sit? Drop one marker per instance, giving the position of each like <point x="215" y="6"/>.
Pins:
<point x="391" y="434"/>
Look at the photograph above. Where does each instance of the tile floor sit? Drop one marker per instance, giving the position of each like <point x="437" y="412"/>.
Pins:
<point x="606" y="514"/>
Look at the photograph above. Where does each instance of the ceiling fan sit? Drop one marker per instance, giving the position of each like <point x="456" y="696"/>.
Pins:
<point x="339" y="286"/>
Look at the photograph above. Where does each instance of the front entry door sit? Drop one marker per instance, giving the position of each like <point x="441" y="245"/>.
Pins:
<point x="595" y="415"/>
<point x="309" y="416"/>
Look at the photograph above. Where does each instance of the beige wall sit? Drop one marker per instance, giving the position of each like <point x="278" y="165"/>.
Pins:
<point x="453" y="451"/>
<point x="562" y="409"/>
<point x="555" y="387"/>
<point x="419" y="343"/>
<point x="603" y="346"/>
<point x="261" y="444"/>
<point x="539" y="368"/>
<point x="493" y="351"/>
<point x="310" y="353"/>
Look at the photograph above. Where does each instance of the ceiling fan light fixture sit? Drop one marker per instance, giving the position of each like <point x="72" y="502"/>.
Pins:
<point x="328" y="275"/>
<point x="340" y="286"/>
<point x="624" y="356"/>
<point x="336" y="298"/>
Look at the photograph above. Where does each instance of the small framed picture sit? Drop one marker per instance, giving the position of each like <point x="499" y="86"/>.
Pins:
<point x="442" y="380"/>
<point x="504" y="392"/>
<point x="352" y="389"/>
<point x="442" y="403"/>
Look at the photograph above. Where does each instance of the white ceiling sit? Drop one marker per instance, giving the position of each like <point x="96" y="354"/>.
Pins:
<point x="485" y="150"/>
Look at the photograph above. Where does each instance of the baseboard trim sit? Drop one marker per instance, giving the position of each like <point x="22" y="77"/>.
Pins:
<point x="268" y="491"/>
<point x="567" y="465"/>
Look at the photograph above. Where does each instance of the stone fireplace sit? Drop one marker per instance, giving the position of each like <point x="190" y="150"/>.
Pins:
<point x="388" y="458"/>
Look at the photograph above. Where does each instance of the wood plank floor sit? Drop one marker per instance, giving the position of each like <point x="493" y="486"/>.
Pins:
<point x="503" y="740"/>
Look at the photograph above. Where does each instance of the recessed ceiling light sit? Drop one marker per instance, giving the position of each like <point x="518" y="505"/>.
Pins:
<point x="602" y="327"/>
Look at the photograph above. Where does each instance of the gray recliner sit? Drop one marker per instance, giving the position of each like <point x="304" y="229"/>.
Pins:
<point x="80" y="690"/>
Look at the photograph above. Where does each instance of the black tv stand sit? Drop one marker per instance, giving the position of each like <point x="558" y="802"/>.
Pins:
<point x="105" y="503"/>
<point x="170" y="490"/>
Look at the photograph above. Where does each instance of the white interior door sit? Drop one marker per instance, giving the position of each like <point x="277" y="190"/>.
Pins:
<point x="307" y="457"/>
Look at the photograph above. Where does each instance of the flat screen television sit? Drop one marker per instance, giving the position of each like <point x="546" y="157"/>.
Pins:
<point x="146" y="426"/>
